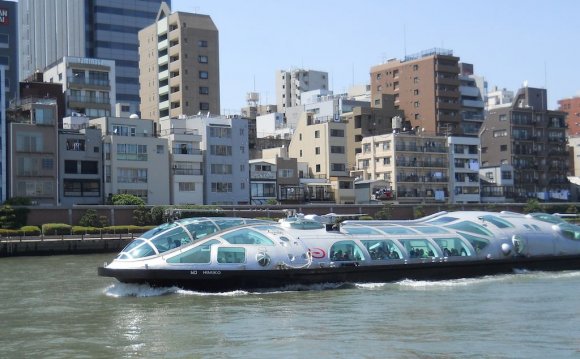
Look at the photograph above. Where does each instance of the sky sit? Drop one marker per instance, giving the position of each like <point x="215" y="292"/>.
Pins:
<point x="508" y="42"/>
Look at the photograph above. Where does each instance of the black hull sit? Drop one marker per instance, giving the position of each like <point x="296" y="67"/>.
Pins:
<point x="228" y="280"/>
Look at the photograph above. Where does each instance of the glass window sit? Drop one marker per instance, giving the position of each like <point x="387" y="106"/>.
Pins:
<point x="198" y="254"/>
<point x="570" y="231"/>
<point x="200" y="229"/>
<point x="396" y="230"/>
<point x="442" y="220"/>
<point x="247" y="236"/>
<point x="419" y="248"/>
<point x="471" y="227"/>
<point x="172" y="239"/>
<point x="498" y="222"/>
<point x="382" y="249"/>
<point x="137" y="249"/>
<point x="346" y="251"/>
<point x="231" y="255"/>
<point x="476" y="242"/>
<point x="452" y="247"/>
<point x="430" y="229"/>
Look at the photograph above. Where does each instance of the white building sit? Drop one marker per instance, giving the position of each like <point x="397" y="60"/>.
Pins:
<point x="464" y="166"/>
<point x="290" y="85"/>
<point x="135" y="161"/>
<point x="499" y="97"/>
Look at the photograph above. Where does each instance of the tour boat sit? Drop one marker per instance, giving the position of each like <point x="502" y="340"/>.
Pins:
<point x="225" y="254"/>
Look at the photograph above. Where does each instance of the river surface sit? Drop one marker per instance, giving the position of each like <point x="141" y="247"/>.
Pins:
<point x="57" y="307"/>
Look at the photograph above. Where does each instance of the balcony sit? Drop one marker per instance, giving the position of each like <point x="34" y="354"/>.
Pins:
<point x="83" y="101"/>
<point x="81" y="82"/>
<point x="472" y="103"/>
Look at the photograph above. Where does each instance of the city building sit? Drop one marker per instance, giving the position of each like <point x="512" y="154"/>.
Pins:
<point x="135" y="160"/>
<point x="224" y="142"/>
<point x="425" y="86"/>
<point x="185" y="161"/>
<point x="464" y="169"/>
<point x="497" y="184"/>
<point x="3" y="179"/>
<point x="321" y="143"/>
<point x="414" y="166"/>
<point x="290" y="85"/>
<point x="80" y="162"/>
<point x="572" y="108"/>
<point x="9" y="51"/>
<point x="499" y="98"/>
<point x="531" y="138"/>
<point x="275" y="178"/>
<point x="179" y="66"/>
<point x="49" y="30"/>
<point x="472" y="91"/>
<point x="32" y="151"/>
<point x="88" y="85"/>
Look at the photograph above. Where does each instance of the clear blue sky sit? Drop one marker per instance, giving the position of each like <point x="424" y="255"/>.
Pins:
<point x="507" y="41"/>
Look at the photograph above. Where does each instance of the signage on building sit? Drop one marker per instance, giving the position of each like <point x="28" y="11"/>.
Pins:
<point x="4" y="19"/>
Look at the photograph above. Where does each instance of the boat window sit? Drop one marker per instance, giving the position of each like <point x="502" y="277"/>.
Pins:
<point x="430" y="229"/>
<point x="452" y="247"/>
<point x="172" y="239"/>
<point x="396" y="230"/>
<point x="419" y="248"/>
<point x="382" y="249"/>
<point x="476" y="242"/>
<point x="231" y="255"/>
<point x="359" y="230"/>
<point x="155" y="231"/>
<point x="137" y="249"/>
<point x="471" y="227"/>
<point x="224" y="223"/>
<point x="497" y="221"/>
<point x="544" y="217"/>
<point x="346" y="251"/>
<point x="247" y="236"/>
<point x="442" y="220"/>
<point x="570" y="231"/>
<point x="200" y="229"/>
<point x="199" y="254"/>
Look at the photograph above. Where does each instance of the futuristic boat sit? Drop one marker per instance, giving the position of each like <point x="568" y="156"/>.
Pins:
<point x="224" y="254"/>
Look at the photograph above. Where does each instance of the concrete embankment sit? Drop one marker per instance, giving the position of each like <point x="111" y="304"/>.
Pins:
<point x="35" y="246"/>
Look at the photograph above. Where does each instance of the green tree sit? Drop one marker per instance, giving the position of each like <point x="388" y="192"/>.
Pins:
<point x="90" y="219"/>
<point x="533" y="205"/>
<point x="419" y="212"/>
<point x="7" y="217"/>
<point x="18" y="201"/>
<point x="127" y="200"/>
<point x="142" y="216"/>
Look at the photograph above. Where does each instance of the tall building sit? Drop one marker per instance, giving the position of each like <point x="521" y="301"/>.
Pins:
<point x="425" y="86"/>
<point x="52" y="29"/>
<point x="532" y="139"/>
<point x="290" y="85"/>
<point x="179" y="66"/>
<point x="572" y="108"/>
<point x="9" y="49"/>
<point x="472" y="90"/>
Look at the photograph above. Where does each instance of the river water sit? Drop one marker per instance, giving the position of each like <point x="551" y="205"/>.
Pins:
<point x="57" y="307"/>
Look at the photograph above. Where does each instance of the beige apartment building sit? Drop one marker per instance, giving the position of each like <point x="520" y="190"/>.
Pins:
<point x="415" y="167"/>
<point x="425" y="86"/>
<point x="179" y="66"/>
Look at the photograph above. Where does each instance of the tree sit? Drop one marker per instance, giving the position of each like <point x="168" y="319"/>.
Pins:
<point x="142" y="216"/>
<point x="385" y="213"/>
<point x="532" y="206"/>
<point x="18" y="201"/>
<point x="90" y="219"/>
<point x="419" y="212"/>
<point x="127" y="200"/>
<point x="7" y="217"/>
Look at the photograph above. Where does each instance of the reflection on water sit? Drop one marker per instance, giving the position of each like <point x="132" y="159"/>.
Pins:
<point x="54" y="307"/>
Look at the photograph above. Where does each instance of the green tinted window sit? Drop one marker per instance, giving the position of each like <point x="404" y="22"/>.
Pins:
<point x="497" y="221"/>
<point x="471" y="227"/>
<point x="570" y="231"/>
<point x="396" y="230"/>
<point x="442" y="220"/>
<point x="247" y="236"/>
<point x="452" y="247"/>
<point x="198" y="254"/>
<point x="430" y="229"/>
<point x="231" y="255"/>
<point x="544" y="217"/>
<point x="419" y="248"/>
<point x="382" y="249"/>
<point x="476" y="242"/>
<point x="227" y="223"/>
<point x="359" y="230"/>
<point x="200" y="229"/>
<point x="346" y="251"/>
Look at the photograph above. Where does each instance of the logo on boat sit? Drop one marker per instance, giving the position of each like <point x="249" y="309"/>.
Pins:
<point x="317" y="253"/>
<point x="212" y="272"/>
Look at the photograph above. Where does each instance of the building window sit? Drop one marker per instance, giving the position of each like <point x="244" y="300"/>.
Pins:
<point x="336" y="149"/>
<point x="415" y="67"/>
<point x="221" y="187"/>
<point x="75" y="144"/>
<point x="220" y="132"/>
<point x="131" y="175"/>
<point x="317" y="168"/>
<point x="204" y="90"/>
<point x="186" y="186"/>
<point x="317" y="150"/>
<point x="415" y="80"/>
<point x="204" y="106"/>
<point x="220" y="150"/>
<point x="339" y="167"/>
<point x="503" y="148"/>
<point x="416" y="92"/>
<point x="416" y="104"/>
<point x="70" y="167"/>
<point x="202" y="43"/>
<point x="316" y="134"/>
<point x="203" y="75"/>
<point x="506" y="175"/>
<point x="503" y="117"/>
<point x="160" y="149"/>
<point x="202" y="59"/>
<point x="89" y="167"/>
<point x="336" y="133"/>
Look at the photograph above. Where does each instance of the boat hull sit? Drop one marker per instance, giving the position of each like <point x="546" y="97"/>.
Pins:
<point x="220" y="280"/>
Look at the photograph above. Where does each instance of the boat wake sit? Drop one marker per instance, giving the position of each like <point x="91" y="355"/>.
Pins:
<point x="118" y="290"/>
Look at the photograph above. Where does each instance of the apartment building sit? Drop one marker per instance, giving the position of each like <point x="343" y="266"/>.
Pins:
<point x="415" y="167"/>
<point x="472" y="90"/>
<point x="88" y="85"/>
<point x="179" y="66"/>
<point x="32" y="150"/>
<point x="135" y="161"/>
<point x="464" y="164"/>
<point x="425" y="86"/>
<point x="572" y="108"/>
<point x="531" y="138"/>
<point x="497" y="184"/>
<point x="80" y="166"/>
<point x="291" y="84"/>
<point x="185" y="161"/>
<point x="321" y="143"/>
